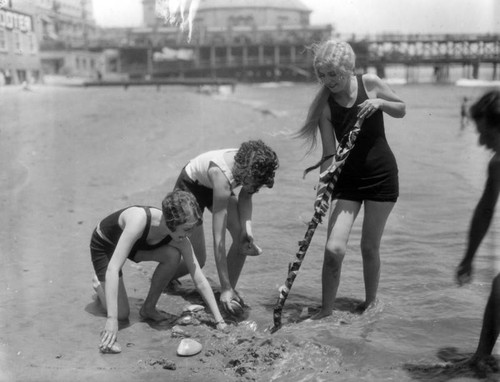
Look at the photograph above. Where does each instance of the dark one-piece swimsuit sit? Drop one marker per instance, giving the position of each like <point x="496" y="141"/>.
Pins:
<point x="370" y="172"/>
<point x="105" y="238"/>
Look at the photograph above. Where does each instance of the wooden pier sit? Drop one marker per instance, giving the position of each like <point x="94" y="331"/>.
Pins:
<point x="278" y="61"/>
<point x="438" y="51"/>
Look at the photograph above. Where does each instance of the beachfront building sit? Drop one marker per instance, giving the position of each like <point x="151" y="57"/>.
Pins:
<point x="248" y="40"/>
<point x="19" y="56"/>
<point x="66" y="33"/>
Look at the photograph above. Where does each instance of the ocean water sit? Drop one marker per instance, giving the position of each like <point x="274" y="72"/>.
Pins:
<point x="420" y="308"/>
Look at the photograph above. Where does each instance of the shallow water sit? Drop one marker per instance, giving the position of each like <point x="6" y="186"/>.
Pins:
<point x="420" y="308"/>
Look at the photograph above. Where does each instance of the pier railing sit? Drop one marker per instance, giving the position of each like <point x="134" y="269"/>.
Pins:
<point x="439" y="49"/>
<point x="294" y="61"/>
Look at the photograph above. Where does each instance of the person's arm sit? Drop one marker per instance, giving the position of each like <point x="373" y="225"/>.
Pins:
<point x="381" y="97"/>
<point x="221" y="195"/>
<point x="245" y="211"/>
<point x="134" y="221"/>
<point x="481" y="220"/>
<point x="200" y="281"/>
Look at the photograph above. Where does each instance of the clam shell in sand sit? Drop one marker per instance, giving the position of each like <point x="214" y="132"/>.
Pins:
<point x="188" y="347"/>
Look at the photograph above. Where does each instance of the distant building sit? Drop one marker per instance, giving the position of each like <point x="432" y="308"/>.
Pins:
<point x="254" y="40"/>
<point x="240" y="22"/>
<point x="19" y="56"/>
<point x="62" y="23"/>
<point x="66" y="34"/>
<point x="231" y="13"/>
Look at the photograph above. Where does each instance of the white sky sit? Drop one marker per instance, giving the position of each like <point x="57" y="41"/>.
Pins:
<point x="359" y="16"/>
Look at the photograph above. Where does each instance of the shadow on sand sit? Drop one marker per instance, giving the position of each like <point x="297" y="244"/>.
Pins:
<point x="455" y="364"/>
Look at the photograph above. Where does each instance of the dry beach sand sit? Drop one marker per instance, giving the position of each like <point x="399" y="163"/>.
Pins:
<point x="69" y="157"/>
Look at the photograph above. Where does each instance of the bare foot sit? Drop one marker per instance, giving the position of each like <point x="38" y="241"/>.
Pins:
<point x="154" y="315"/>
<point x="483" y="365"/>
<point x="99" y="290"/>
<point x="362" y="307"/>
<point x="173" y="287"/>
<point x="321" y="314"/>
<point x="96" y="284"/>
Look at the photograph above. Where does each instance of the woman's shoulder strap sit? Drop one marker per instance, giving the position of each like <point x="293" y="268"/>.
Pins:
<point x="362" y="94"/>
<point x="145" y="233"/>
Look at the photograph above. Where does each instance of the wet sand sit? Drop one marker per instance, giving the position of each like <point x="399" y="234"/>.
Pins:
<point x="69" y="157"/>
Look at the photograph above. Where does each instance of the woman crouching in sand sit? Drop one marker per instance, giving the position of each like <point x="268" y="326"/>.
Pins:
<point x="142" y="233"/>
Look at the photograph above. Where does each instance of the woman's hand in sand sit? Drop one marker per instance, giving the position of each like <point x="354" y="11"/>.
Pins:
<point x="109" y="334"/>
<point x="221" y="325"/>
<point x="226" y="297"/>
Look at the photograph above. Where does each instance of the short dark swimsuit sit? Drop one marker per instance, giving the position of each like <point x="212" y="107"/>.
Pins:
<point x="204" y="195"/>
<point x="370" y="172"/>
<point x="105" y="238"/>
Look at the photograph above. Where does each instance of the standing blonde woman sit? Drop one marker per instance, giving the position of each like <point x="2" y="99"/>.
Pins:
<point x="370" y="174"/>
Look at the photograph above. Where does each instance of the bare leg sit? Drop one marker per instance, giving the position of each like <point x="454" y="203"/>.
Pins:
<point x="168" y="258"/>
<point x="123" y="305"/>
<point x="342" y="218"/>
<point x="376" y="214"/>
<point x="197" y="239"/>
<point x="491" y="327"/>
<point x="235" y="260"/>
<point x="101" y="295"/>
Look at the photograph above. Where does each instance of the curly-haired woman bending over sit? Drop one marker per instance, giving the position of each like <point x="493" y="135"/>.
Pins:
<point x="212" y="178"/>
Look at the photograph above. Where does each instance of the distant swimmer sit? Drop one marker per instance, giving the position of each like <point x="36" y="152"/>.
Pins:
<point x="141" y="233"/>
<point x="464" y="113"/>
<point x="213" y="177"/>
<point x="26" y="86"/>
<point x="486" y="115"/>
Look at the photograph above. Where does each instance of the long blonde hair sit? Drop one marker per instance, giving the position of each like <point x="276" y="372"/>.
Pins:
<point x="333" y="54"/>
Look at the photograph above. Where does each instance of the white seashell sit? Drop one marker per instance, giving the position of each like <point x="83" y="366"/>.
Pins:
<point x="185" y="320"/>
<point x="188" y="347"/>
<point x="177" y="331"/>
<point x="193" y="308"/>
<point x="252" y="325"/>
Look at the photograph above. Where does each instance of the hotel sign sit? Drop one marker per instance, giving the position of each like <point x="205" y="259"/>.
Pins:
<point x="13" y="20"/>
